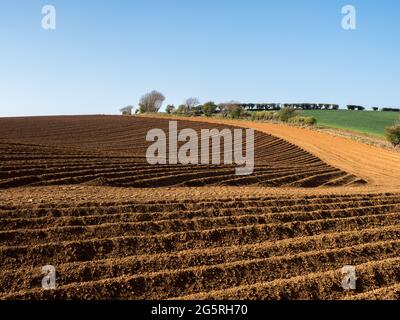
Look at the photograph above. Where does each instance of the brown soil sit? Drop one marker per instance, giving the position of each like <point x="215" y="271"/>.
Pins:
<point x="378" y="166"/>
<point x="101" y="150"/>
<point x="72" y="196"/>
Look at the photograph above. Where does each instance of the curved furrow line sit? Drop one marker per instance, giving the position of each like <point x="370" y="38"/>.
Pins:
<point x="255" y="213"/>
<point x="391" y="292"/>
<point x="98" y="138"/>
<point x="84" y="250"/>
<point x="114" y="229"/>
<point x="29" y="278"/>
<point x="191" y="209"/>
<point x="315" y="286"/>
<point x="178" y="283"/>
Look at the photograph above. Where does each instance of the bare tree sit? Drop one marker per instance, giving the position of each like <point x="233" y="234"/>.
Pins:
<point x="225" y="107"/>
<point x="191" y="104"/>
<point x="127" y="110"/>
<point x="151" y="102"/>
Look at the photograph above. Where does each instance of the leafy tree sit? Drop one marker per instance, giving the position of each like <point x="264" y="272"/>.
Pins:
<point x="391" y="109"/>
<point x="286" y="113"/>
<point x="196" y="111"/>
<point x="181" y="109"/>
<point x="392" y="134"/>
<point x="170" y="108"/>
<point x="226" y="108"/>
<point x="209" y="108"/>
<point x="235" y="112"/>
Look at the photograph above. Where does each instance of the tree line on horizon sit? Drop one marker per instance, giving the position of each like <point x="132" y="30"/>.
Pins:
<point x="152" y="102"/>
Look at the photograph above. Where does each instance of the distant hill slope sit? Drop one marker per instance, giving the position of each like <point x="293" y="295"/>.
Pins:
<point x="369" y="122"/>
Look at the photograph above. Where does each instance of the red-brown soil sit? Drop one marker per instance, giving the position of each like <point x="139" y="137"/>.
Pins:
<point x="377" y="166"/>
<point x="102" y="150"/>
<point x="77" y="193"/>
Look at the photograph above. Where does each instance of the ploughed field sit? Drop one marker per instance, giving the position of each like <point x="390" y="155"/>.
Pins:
<point x="111" y="151"/>
<point x="238" y="244"/>
<point x="77" y="193"/>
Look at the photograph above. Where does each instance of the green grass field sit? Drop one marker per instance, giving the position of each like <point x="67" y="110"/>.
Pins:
<point x="369" y="122"/>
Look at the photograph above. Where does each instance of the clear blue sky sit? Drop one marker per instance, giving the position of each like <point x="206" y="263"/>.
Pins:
<point x="106" y="54"/>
